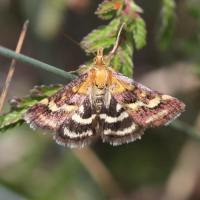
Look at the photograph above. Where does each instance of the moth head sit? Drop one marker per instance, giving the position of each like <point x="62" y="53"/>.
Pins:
<point x="99" y="59"/>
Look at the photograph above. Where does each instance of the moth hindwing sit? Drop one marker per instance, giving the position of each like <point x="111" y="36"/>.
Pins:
<point x="102" y="102"/>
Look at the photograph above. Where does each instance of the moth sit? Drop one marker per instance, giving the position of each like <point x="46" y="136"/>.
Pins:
<point x="102" y="102"/>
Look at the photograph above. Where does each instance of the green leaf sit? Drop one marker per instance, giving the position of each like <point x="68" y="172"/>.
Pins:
<point x="135" y="7"/>
<point x="11" y="119"/>
<point x="105" y="42"/>
<point x="107" y="15"/>
<point x="44" y="91"/>
<point x="104" y="36"/>
<point x="108" y="9"/>
<point x="139" y="33"/>
<point x="129" y="21"/>
<point x="166" y="24"/>
<point x="20" y="105"/>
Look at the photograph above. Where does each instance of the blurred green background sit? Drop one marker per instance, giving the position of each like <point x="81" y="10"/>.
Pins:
<point x="164" y="165"/>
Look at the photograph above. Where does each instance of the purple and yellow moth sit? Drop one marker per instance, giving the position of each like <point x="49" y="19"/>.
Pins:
<point x="102" y="102"/>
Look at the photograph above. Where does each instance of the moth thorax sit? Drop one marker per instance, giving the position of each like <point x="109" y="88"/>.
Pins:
<point x="101" y="78"/>
<point x="99" y="93"/>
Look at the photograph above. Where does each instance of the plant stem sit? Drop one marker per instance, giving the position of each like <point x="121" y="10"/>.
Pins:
<point x="35" y="63"/>
<point x="13" y="64"/>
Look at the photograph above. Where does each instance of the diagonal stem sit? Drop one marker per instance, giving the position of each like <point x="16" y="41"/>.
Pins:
<point x="35" y="63"/>
<point x="116" y="43"/>
<point x="13" y="64"/>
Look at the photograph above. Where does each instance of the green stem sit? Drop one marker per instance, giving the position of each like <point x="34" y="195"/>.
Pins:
<point x="186" y="128"/>
<point x="35" y="63"/>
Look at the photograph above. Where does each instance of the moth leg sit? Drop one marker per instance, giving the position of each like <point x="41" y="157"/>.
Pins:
<point x="79" y="69"/>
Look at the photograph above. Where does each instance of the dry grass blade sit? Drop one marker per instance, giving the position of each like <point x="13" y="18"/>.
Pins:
<point x="13" y="64"/>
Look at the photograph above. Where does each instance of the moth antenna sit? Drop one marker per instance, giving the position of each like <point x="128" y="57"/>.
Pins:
<point x="79" y="44"/>
<point x="116" y="43"/>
